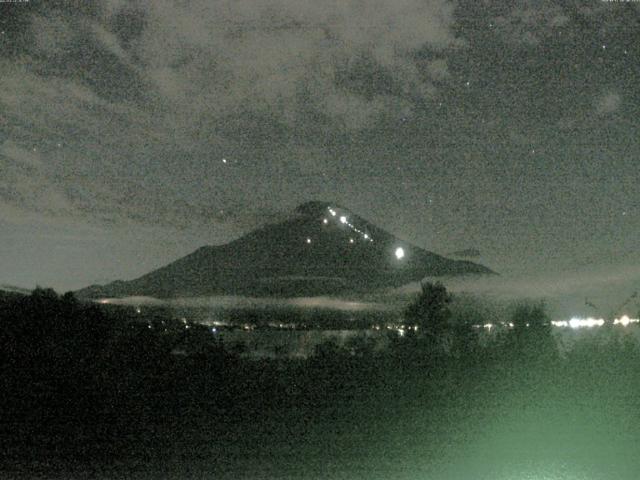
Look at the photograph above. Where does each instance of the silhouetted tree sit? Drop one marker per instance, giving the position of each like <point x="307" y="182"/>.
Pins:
<point x="532" y="329"/>
<point x="465" y="341"/>
<point x="531" y="317"/>
<point x="430" y="310"/>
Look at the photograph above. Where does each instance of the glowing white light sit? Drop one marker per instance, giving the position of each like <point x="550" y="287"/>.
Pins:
<point x="343" y="219"/>
<point x="366" y="237"/>
<point x="625" y="321"/>
<point x="399" y="253"/>
<point x="325" y="221"/>
<point x="308" y="240"/>
<point x="590" y="322"/>
<point x="224" y="160"/>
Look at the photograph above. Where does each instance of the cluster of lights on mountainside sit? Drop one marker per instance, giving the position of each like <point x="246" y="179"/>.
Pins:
<point x="345" y="221"/>
<point x="365" y="236"/>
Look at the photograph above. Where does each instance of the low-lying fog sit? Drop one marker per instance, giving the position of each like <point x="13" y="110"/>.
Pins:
<point x="602" y="293"/>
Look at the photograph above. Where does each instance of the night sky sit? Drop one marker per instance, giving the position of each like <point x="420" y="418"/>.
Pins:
<point x="132" y="133"/>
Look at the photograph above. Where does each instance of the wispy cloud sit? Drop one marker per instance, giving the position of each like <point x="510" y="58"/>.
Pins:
<point x="608" y="103"/>
<point x="115" y="96"/>
<point x="528" y="24"/>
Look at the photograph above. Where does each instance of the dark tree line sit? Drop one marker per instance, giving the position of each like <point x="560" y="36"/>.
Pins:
<point x="529" y="335"/>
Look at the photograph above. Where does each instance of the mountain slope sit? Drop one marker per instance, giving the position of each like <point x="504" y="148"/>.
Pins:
<point x="321" y="249"/>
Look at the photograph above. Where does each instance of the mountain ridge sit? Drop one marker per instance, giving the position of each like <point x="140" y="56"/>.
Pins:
<point x="322" y="248"/>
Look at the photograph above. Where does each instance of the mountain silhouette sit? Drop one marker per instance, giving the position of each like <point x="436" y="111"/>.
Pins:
<point x="466" y="253"/>
<point x="321" y="248"/>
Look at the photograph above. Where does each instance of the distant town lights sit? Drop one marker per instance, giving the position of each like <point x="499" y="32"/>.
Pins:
<point x="625" y="320"/>
<point x="343" y="219"/>
<point x="589" y="322"/>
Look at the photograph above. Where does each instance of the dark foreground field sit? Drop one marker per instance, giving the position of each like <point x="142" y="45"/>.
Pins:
<point x="122" y="406"/>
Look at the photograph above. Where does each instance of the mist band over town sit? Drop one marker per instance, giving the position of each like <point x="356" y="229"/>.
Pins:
<point x="323" y="239"/>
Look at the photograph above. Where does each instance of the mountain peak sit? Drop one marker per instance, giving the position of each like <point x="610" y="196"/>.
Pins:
<point x="325" y="249"/>
<point x="313" y="208"/>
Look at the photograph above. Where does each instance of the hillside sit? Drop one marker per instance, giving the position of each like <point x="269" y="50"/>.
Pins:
<point x="321" y="248"/>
